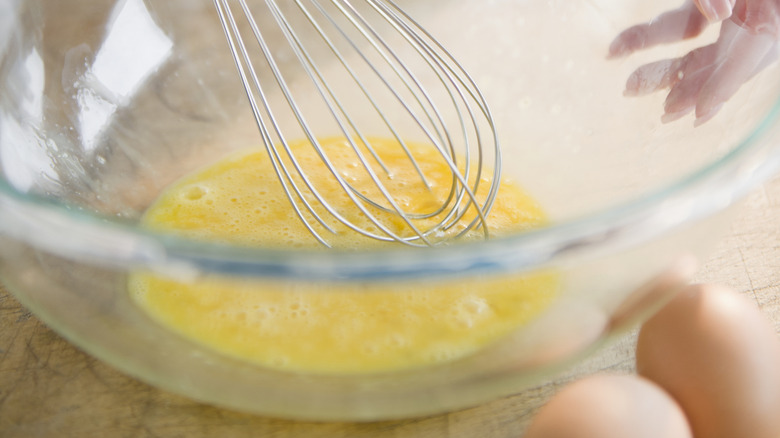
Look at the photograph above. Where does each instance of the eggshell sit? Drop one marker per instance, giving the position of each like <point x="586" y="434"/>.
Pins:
<point x="714" y="352"/>
<point x="650" y="296"/>
<point x="610" y="406"/>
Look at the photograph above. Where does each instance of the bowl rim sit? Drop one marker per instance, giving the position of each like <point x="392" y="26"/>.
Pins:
<point x="56" y="227"/>
<point x="66" y="231"/>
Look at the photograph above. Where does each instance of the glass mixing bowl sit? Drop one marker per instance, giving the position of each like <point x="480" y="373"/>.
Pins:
<point x="104" y="103"/>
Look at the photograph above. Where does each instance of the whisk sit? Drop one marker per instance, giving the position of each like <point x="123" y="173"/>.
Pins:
<point x="364" y="69"/>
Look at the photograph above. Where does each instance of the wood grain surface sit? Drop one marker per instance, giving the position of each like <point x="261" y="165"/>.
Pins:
<point x="48" y="388"/>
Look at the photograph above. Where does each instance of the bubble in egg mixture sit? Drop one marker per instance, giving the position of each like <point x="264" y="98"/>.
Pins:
<point x="320" y="327"/>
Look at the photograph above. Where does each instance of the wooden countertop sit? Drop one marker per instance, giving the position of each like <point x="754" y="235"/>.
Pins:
<point x="49" y="388"/>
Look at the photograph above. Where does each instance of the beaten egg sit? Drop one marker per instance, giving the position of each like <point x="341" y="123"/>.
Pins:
<point x="331" y="328"/>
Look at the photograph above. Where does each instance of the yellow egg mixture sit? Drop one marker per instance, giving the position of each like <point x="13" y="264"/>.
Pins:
<point x="331" y="328"/>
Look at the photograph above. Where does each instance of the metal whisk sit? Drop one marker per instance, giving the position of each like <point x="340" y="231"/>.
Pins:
<point x="363" y="69"/>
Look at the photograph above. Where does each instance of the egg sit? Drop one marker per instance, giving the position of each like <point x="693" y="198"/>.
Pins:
<point x="713" y="351"/>
<point x="333" y="328"/>
<point x="610" y="406"/>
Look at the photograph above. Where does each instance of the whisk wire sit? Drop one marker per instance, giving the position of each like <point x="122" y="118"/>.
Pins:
<point x="420" y="45"/>
<point x="458" y="86"/>
<point x="351" y="192"/>
<point x="396" y="65"/>
<point x="455" y="213"/>
<point x="289" y="186"/>
<point x="365" y="29"/>
<point x="376" y="107"/>
<point x="468" y="83"/>
<point x="331" y="101"/>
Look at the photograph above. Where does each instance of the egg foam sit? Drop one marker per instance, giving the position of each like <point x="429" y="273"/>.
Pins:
<point x="339" y="327"/>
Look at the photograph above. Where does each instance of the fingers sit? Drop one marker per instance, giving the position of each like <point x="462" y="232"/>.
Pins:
<point x="651" y="77"/>
<point x="715" y="10"/>
<point x="682" y="98"/>
<point x="684" y="22"/>
<point x="667" y="73"/>
<point x="705" y="78"/>
<point x="745" y="55"/>
<point x="758" y="16"/>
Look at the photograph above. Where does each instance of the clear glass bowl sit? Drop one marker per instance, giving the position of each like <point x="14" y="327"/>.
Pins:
<point x="104" y="103"/>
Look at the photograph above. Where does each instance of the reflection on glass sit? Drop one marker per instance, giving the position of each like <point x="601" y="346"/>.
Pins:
<point x="32" y="97"/>
<point x="23" y="155"/>
<point x="133" y="49"/>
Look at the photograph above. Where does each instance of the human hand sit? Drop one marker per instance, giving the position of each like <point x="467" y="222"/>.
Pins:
<point x="705" y="78"/>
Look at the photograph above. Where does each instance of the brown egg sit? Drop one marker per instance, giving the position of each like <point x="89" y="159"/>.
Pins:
<point x="715" y="353"/>
<point x="610" y="407"/>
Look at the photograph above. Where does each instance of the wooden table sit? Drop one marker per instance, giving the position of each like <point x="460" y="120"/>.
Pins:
<point x="49" y="388"/>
